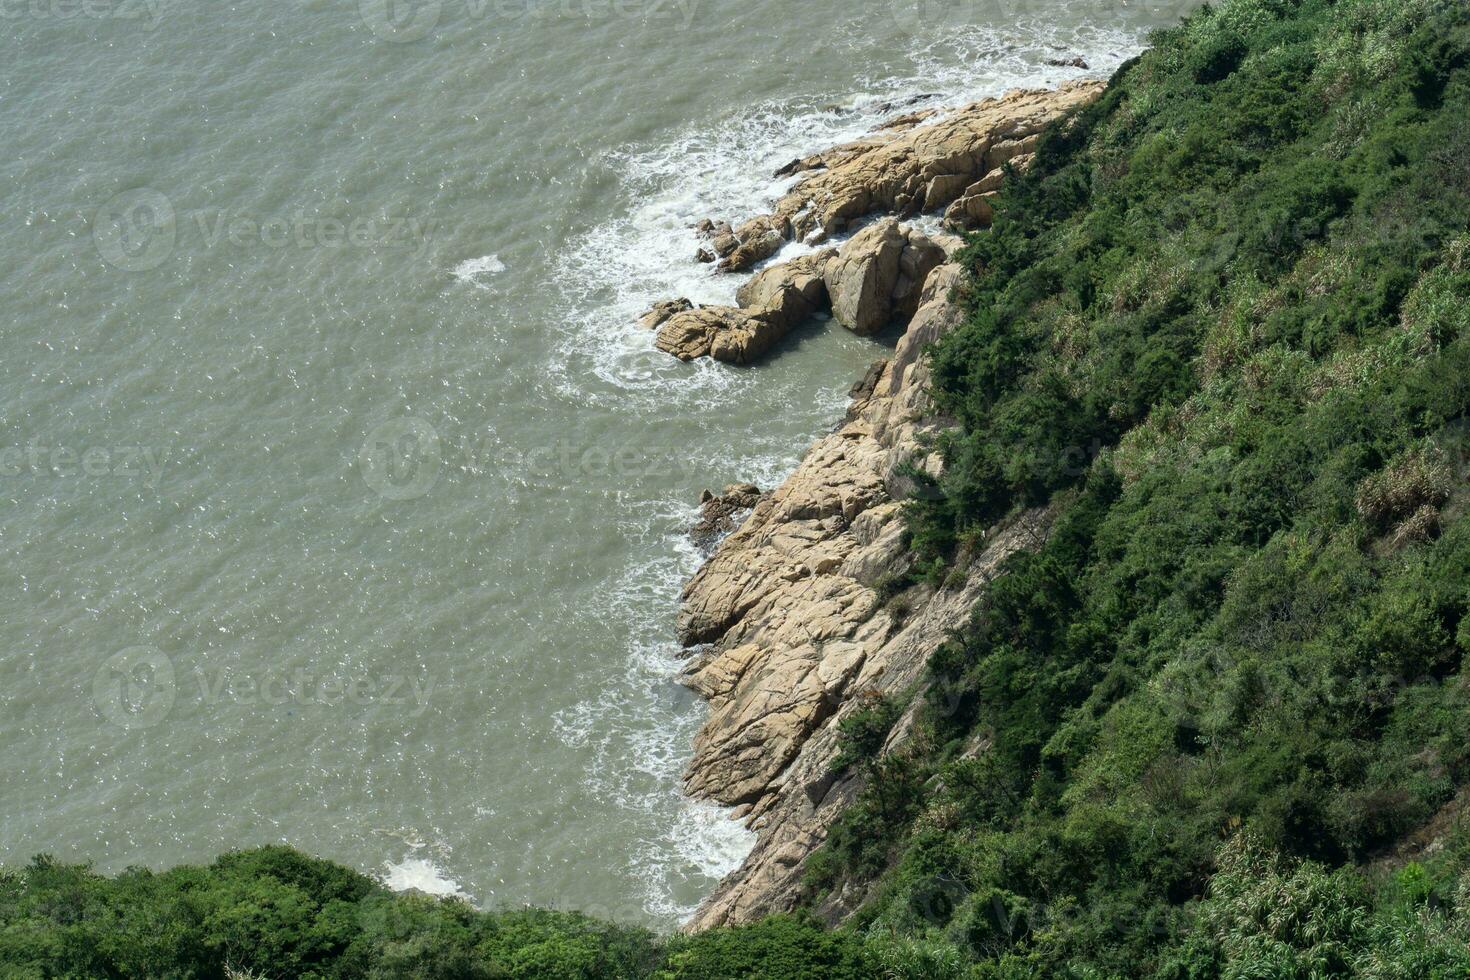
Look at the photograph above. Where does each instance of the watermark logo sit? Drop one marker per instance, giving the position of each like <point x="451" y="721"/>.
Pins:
<point x="299" y="687"/>
<point x="147" y="12"/>
<point x="139" y="230"/>
<point x="143" y="463"/>
<point x="400" y="21"/>
<point x="932" y="16"/>
<point x="136" y="230"/>
<point x="135" y="688"/>
<point x="401" y="459"/>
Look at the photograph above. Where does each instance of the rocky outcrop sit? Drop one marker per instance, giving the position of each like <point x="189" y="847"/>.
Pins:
<point x="930" y="160"/>
<point x="924" y="162"/>
<point x="771" y="305"/>
<point x="793" y="626"/>
<point x="792" y="619"/>
<point x="877" y="275"/>
<point x="661" y="312"/>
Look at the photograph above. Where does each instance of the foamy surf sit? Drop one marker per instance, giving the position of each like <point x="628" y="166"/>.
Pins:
<point x="612" y="275"/>
<point x="420" y="874"/>
<point x="476" y="272"/>
<point x="724" y="171"/>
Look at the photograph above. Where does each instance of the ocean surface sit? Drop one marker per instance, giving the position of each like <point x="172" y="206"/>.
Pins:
<point x="342" y="503"/>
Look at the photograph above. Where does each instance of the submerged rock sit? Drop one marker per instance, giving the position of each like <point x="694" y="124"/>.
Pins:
<point x="717" y="512"/>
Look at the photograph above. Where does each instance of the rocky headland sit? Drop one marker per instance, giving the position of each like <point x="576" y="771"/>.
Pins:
<point x="792" y="620"/>
<point x="944" y="163"/>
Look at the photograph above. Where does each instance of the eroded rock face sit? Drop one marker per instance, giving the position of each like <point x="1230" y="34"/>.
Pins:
<point x="795" y="629"/>
<point x="921" y="161"/>
<point x="926" y="167"/>
<point x="877" y="276"/>
<point x="772" y="304"/>
<point x="792" y="633"/>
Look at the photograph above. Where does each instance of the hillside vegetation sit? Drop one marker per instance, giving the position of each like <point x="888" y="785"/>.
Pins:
<point x="1219" y="724"/>
<point x="1222" y="328"/>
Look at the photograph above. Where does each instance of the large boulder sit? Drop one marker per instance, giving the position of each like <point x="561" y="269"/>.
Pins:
<point x="771" y="305"/>
<point x="877" y="276"/>
<point x="791" y="291"/>
<point x="724" y="332"/>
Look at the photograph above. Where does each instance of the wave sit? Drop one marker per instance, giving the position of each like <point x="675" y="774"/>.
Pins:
<point x="724" y="171"/>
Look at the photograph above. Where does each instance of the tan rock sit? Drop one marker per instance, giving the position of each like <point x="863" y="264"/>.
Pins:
<point x="969" y="213"/>
<point x="792" y="290"/>
<point x="772" y="304"/>
<point x="661" y="312"/>
<point x="795" y="630"/>
<point x="692" y="333"/>
<point x="876" y="276"/>
<point x="895" y="171"/>
<point x="756" y="240"/>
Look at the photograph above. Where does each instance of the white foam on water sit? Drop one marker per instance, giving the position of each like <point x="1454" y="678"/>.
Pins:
<point x="475" y="271"/>
<point x="723" y="170"/>
<point x="420" y="874"/>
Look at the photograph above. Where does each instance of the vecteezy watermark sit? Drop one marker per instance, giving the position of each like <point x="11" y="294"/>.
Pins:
<point x="135" y="688"/>
<point x="139" y="230"/>
<point x="404" y="459"/>
<point x="401" y="21"/>
<point x="93" y="462"/>
<point x="300" y="687"/>
<point x="148" y="13"/>
<point x="138" y="687"/>
<point x="401" y="459"/>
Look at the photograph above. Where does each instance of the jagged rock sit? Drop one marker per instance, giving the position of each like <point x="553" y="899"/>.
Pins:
<point x="969" y="213"/>
<point x="877" y="275"/>
<point x="661" y="312"/>
<point x="796" y="631"/>
<point x="756" y="240"/>
<point x="718" y="512"/>
<point x="727" y="333"/>
<point x="894" y="170"/>
<point x="1075" y="61"/>
<point x="792" y="290"/>
<point x="772" y="303"/>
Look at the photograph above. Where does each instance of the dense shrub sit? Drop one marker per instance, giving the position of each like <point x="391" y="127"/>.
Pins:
<point x="1219" y="327"/>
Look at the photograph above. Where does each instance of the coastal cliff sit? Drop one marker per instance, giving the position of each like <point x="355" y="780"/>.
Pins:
<point x="791" y="617"/>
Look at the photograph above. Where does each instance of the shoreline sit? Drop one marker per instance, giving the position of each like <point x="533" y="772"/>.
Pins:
<point x="789" y="621"/>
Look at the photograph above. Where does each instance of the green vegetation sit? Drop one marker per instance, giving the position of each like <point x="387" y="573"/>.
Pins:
<point x="276" y="913"/>
<point x="1219" y="724"/>
<point x="1222" y="330"/>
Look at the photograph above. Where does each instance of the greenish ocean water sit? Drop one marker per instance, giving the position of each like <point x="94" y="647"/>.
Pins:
<point x="342" y="503"/>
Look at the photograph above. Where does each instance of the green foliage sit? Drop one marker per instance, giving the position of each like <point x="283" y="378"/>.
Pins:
<point x="274" y="912"/>
<point x="1219" y="328"/>
<point x="780" y="946"/>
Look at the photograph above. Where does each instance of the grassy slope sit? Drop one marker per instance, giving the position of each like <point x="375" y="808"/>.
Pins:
<point x="1224" y="325"/>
